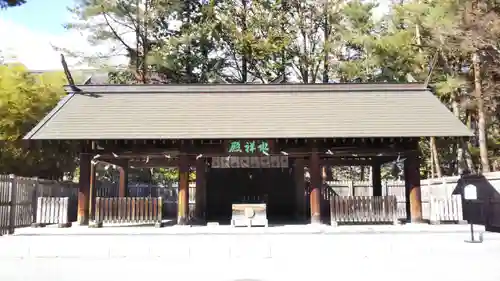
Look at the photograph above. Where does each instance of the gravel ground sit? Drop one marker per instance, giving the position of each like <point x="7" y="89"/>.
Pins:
<point x="298" y="255"/>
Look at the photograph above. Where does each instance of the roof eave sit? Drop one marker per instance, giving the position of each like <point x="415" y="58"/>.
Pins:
<point x="30" y="135"/>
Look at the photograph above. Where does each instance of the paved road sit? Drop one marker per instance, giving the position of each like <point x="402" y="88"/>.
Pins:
<point x="410" y="256"/>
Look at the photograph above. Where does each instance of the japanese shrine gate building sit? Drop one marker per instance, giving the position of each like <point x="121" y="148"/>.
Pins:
<point x="249" y="143"/>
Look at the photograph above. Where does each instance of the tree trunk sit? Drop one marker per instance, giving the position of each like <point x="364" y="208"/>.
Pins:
<point x="138" y="41"/>
<point x="326" y="29"/>
<point x="437" y="164"/>
<point x="464" y="158"/>
<point x="468" y="155"/>
<point x="432" y="142"/>
<point x="145" y="44"/>
<point x="431" y="158"/>
<point x="481" y="124"/>
<point x="362" y="173"/>
<point x="189" y="64"/>
<point x="283" y="51"/>
<point x="244" y="58"/>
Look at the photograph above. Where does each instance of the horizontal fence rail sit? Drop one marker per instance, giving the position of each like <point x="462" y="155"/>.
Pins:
<point x="128" y="210"/>
<point x="363" y="209"/>
<point x="445" y="209"/>
<point x="53" y="210"/>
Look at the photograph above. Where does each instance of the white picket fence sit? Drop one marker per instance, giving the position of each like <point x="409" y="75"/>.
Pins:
<point x="444" y="210"/>
<point x="439" y="204"/>
<point x="52" y="210"/>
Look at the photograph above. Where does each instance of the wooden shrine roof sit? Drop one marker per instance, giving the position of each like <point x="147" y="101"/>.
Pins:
<point x="223" y="111"/>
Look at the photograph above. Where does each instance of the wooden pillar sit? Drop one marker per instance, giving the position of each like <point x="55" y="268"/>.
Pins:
<point x="300" y="189"/>
<point x="413" y="192"/>
<point x="183" y="198"/>
<point x="329" y="173"/>
<point x="200" y="204"/>
<point x="123" y="183"/>
<point x="84" y="189"/>
<point x="92" y="191"/>
<point x="376" y="179"/>
<point x="324" y="204"/>
<point x="315" y="197"/>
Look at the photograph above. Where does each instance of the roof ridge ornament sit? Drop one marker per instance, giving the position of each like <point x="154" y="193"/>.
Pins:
<point x="69" y="77"/>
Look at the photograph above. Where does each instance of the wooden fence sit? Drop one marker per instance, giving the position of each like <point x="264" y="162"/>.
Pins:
<point x="168" y="194"/>
<point x="18" y="199"/>
<point x="363" y="209"/>
<point x="54" y="210"/>
<point x="19" y="203"/>
<point x="445" y="209"/>
<point x="364" y="188"/>
<point x="6" y="225"/>
<point x="28" y="190"/>
<point x="128" y="210"/>
<point x="438" y="202"/>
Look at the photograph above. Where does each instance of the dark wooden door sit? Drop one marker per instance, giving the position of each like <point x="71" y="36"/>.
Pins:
<point x="273" y="186"/>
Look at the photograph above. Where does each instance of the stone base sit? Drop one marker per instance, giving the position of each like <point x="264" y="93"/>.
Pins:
<point x="64" y="225"/>
<point x="182" y="225"/>
<point x="197" y="221"/>
<point x="159" y="224"/>
<point x="316" y="224"/>
<point x="95" y="225"/>
<point x="316" y="219"/>
<point x="249" y="222"/>
<point x="38" y="225"/>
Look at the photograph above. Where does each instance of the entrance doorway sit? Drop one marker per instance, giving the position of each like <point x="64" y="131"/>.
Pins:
<point x="273" y="186"/>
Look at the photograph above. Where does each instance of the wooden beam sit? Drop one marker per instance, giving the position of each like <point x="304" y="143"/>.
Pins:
<point x="123" y="182"/>
<point x="315" y="196"/>
<point x="300" y="189"/>
<point x="92" y="191"/>
<point x="208" y="148"/>
<point x="200" y="205"/>
<point x="183" y="198"/>
<point x="346" y="161"/>
<point x="413" y="191"/>
<point x="154" y="163"/>
<point x="84" y="189"/>
<point x="138" y="155"/>
<point x="376" y="179"/>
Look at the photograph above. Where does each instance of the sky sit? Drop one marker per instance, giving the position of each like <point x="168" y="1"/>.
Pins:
<point x="38" y="15"/>
<point x="30" y="32"/>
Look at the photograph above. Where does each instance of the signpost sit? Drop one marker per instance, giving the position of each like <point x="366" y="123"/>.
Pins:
<point x="470" y="193"/>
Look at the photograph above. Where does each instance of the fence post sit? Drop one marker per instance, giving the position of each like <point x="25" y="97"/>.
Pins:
<point x="352" y="192"/>
<point x="159" y="212"/>
<point x="12" y="203"/>
<point x="34" y="201"/>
